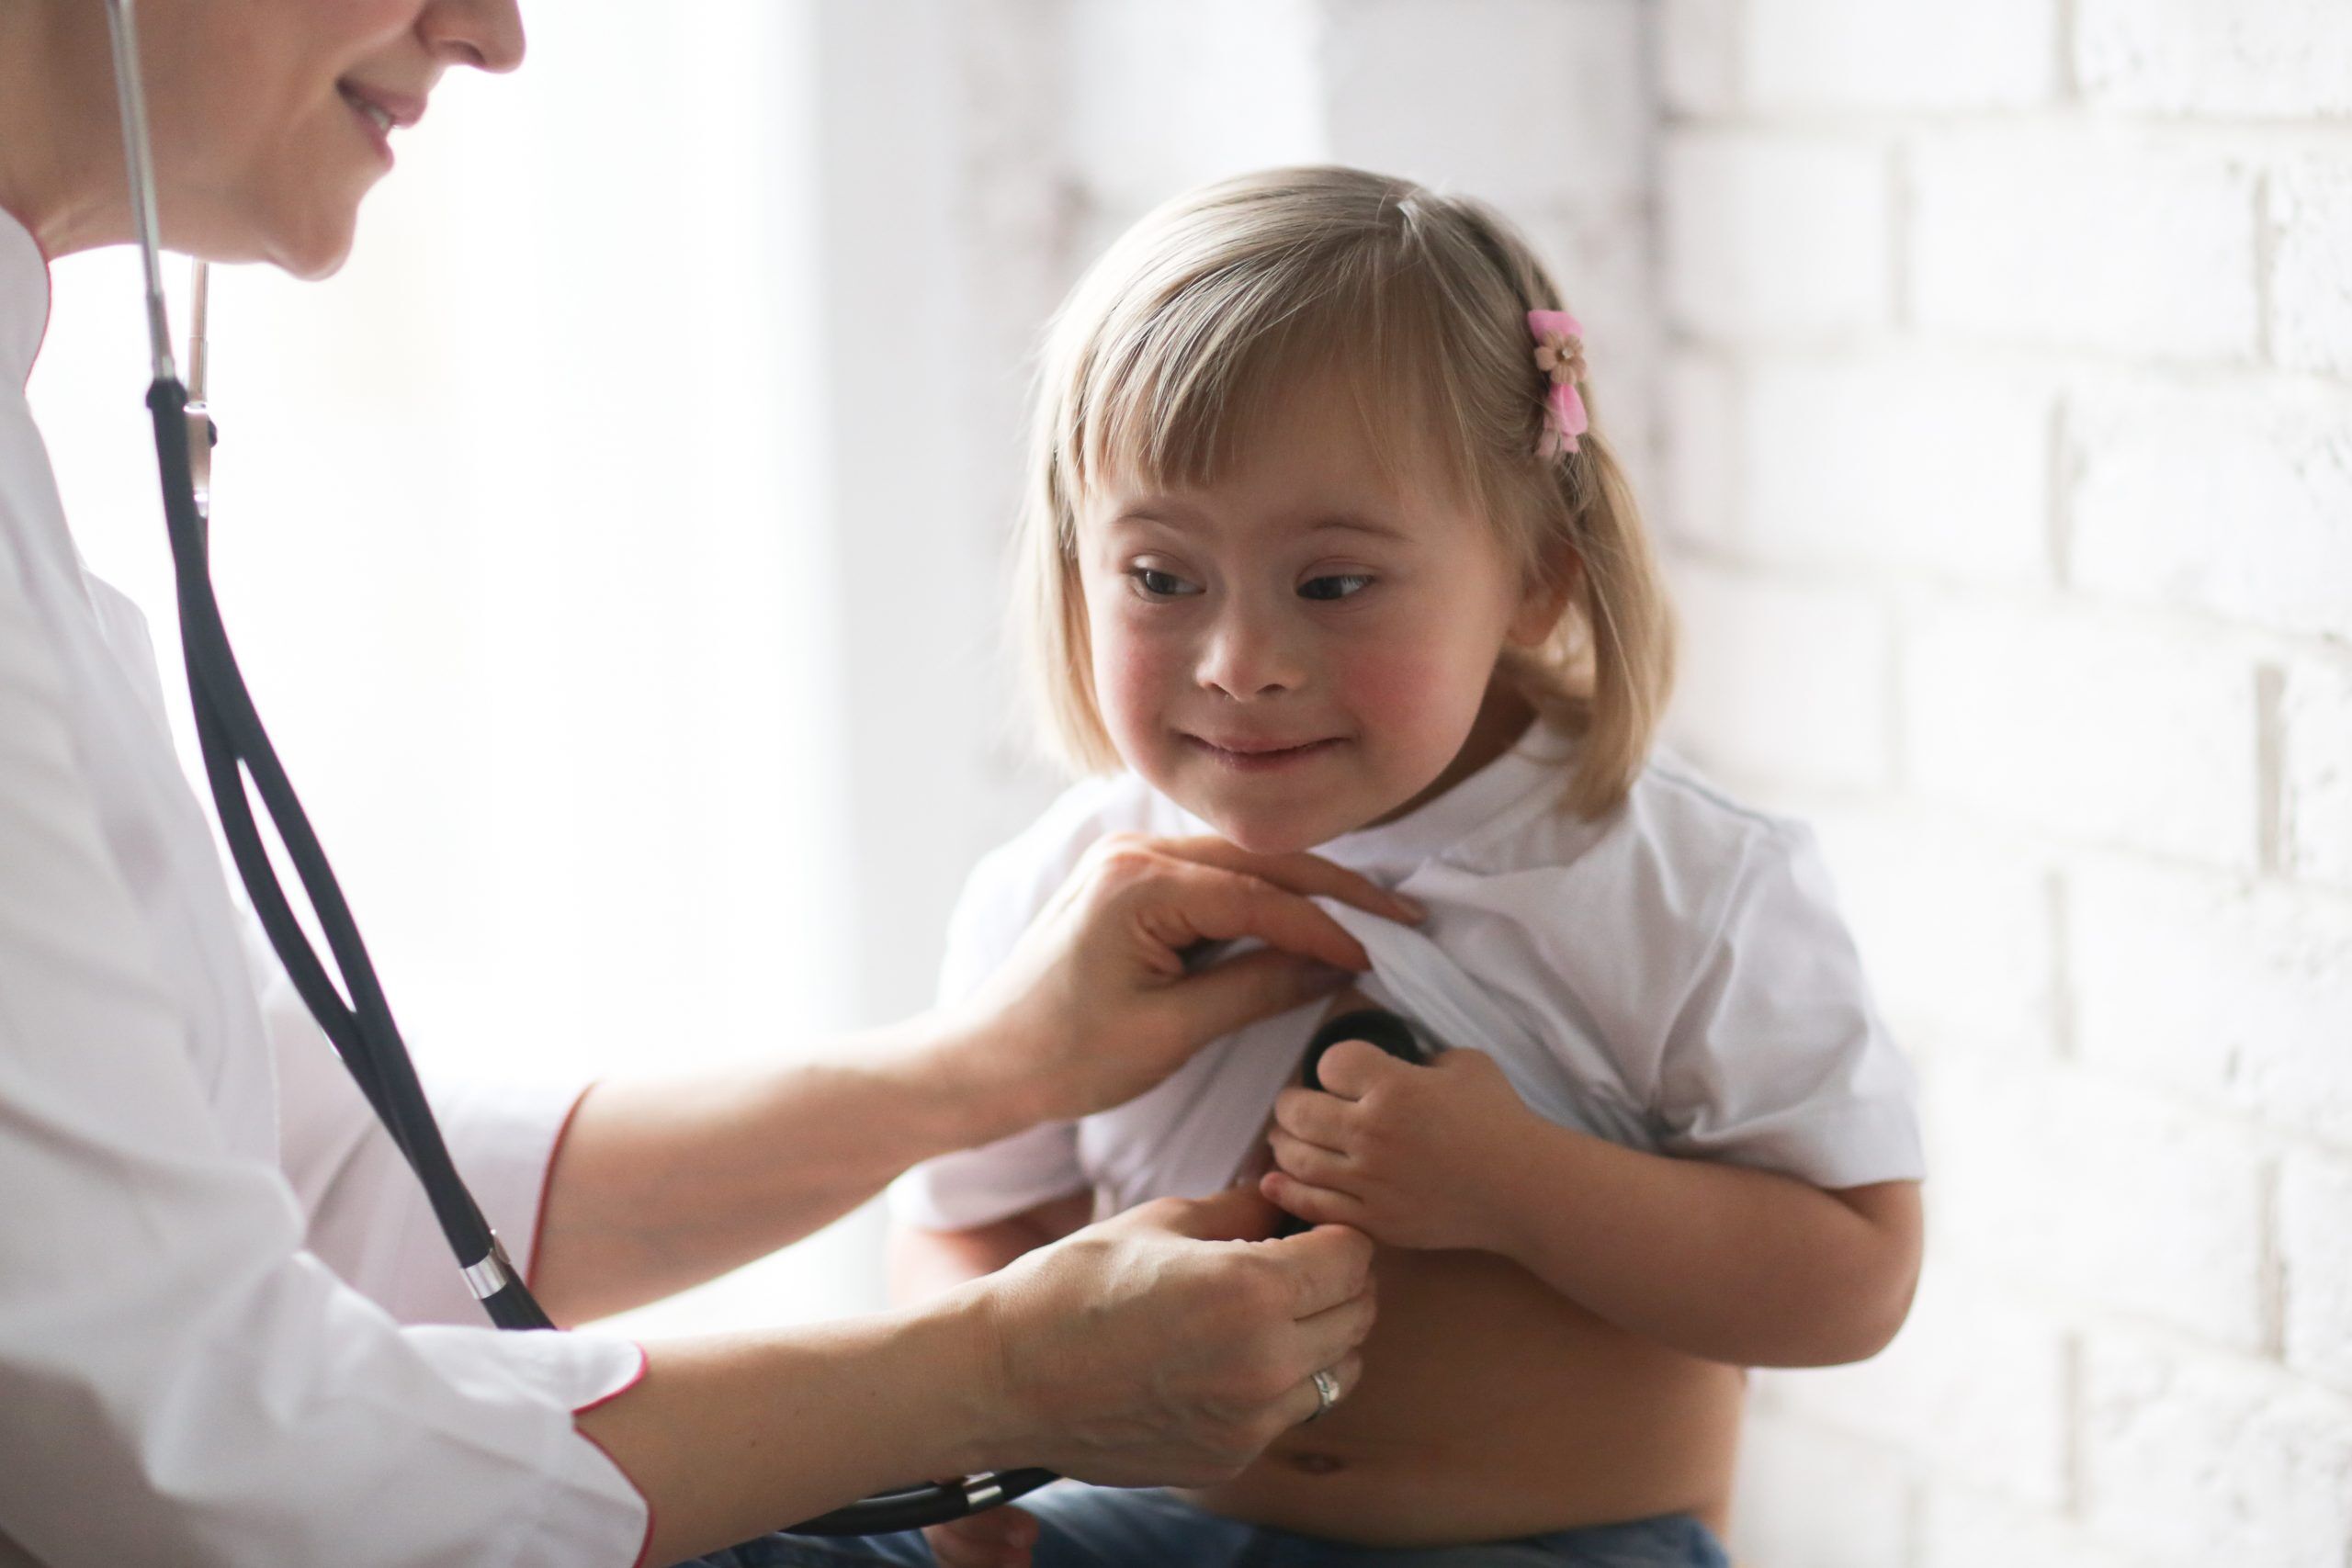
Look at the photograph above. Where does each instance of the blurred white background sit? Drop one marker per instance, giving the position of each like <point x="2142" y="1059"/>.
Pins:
<point x="615" y="549"/>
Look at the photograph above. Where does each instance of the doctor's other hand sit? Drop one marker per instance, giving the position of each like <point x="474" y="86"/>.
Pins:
<point x="1095" y="1005"/>
<point x="1169" y="1345"/>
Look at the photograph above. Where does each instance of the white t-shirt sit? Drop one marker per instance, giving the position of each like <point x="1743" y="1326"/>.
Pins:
<point x="1673" y="977"/>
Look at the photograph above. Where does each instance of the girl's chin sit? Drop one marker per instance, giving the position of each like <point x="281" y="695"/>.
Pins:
<point x="1268" y="834"/>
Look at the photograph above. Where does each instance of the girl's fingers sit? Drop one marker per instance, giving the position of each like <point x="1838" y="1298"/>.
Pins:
<point x="1313" y="1115"/>
<point x="1316" y="1205"/>
<point x="1308" y="1162"/>
<point x="1350" y="1070"/>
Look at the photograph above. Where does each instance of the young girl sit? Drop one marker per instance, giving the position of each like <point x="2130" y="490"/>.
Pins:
<point x="1324" y="552"/>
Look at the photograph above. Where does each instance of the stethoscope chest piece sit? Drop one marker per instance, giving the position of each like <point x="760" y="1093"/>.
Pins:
<point x="1375" y="1026"/>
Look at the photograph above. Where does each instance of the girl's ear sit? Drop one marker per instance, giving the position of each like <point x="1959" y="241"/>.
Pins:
<point x="1546" y="596"/>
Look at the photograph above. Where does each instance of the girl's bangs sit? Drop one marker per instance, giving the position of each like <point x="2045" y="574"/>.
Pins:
<point x="1174" y="392"/>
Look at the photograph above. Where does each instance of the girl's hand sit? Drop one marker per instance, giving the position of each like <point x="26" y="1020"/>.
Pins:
<point x="1000" y="1538"/>
<point x="1412" y="1155"/>
<point x="1095" y="1006"/>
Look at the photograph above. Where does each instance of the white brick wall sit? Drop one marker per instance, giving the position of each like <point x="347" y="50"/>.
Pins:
<point x="2228" y="498"/>
<point x="2314" y="820"/>
<point x="2099" y="237"/>
<point x="2207" y="57"/>
<point x="1900" y="54"/>
<point x="1782" y="237"/>
<point x="1994" y="918"/>
<point x="2310" y="283"/>
<point x="2062" y="718"/>
<point x="2103" y="1199"/>
<point x="1789" y="681"/>
<point x="2316" y="1267"/>
<point x="2191" y="1456"/>
<point x="2008" y="372"/>
<point x="2238" y="995"/>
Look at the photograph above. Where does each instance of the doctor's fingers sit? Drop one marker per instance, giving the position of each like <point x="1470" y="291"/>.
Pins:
<point x="1319" y="1269"/>
<point x="1305" y="874"/>
<point x="1305" y="1402"/>
<point x="1331" y="1337"/>
<point x="1188" y="902"/>
<point x="1222" y="998"/>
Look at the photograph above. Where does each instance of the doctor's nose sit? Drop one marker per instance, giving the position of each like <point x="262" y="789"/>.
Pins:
<point x="1246" y="658"/>
<point x="484" y="34"/>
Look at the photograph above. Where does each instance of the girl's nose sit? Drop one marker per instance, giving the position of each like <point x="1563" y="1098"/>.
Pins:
<point x="1248" y="657"/>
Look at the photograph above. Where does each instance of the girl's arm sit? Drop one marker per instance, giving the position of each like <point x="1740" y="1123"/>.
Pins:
<point x="1735" y="1265"/>
<point x="924" y="1263"/>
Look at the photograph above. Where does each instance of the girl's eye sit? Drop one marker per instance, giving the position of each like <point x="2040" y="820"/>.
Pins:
<point x="1338" y="586"/>
<point x="1157" y="584"/>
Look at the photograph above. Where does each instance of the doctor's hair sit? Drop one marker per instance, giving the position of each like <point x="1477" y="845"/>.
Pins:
<point x="1192" y="330"/>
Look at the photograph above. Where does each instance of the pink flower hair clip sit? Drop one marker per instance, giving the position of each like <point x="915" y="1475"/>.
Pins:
<point x="1559" y="353"/>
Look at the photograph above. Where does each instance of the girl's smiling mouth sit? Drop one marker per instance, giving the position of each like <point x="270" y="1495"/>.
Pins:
<point x="1256" y="757"/>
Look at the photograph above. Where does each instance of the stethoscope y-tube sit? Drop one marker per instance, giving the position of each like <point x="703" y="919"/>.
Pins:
<point x="236" y="749"/>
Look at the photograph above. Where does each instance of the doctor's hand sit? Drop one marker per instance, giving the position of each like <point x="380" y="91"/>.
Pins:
<point x="1095" y="1005"/>
<point x="1170" y="1346"/>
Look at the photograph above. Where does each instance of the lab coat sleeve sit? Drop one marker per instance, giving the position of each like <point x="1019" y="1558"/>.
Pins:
<point x="367" y="1217"/>
<point x="180" y="1381"/>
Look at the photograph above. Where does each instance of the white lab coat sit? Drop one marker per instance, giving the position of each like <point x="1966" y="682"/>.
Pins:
<point x="228" y="1331"/>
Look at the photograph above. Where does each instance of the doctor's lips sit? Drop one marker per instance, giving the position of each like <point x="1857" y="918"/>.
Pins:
<point x="1251" y="755"/>
<point x="381" y="110"/>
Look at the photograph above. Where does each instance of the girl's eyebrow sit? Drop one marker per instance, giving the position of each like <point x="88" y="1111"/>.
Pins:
<point x="1352" y="522"/>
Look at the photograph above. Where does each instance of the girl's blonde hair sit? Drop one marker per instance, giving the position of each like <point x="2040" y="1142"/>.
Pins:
<point x="1174" y="347"/>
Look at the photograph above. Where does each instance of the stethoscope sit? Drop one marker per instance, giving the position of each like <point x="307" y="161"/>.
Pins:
<point x="236" y="748"/>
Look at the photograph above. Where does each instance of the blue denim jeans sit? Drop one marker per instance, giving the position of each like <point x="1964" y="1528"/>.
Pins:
<point x="1093" y="1526"/>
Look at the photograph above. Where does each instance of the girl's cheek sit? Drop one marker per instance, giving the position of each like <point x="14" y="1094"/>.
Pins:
<point x="1388" y="681"/>
<point x="1133" y="678"/>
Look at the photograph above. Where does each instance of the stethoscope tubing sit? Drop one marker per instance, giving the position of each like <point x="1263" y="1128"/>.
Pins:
<point x="357" y="1019"/>
<point x="236" y="746"/>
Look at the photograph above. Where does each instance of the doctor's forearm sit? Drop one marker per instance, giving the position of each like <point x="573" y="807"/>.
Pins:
<point x="659" y="1185"/>
<point x="729" y="1437"/>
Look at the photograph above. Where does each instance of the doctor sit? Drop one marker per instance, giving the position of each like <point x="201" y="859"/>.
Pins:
<point x="228" y="1331"/>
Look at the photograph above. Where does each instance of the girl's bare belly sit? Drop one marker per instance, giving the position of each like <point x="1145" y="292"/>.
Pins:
<point x="1492" y="1407"/>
